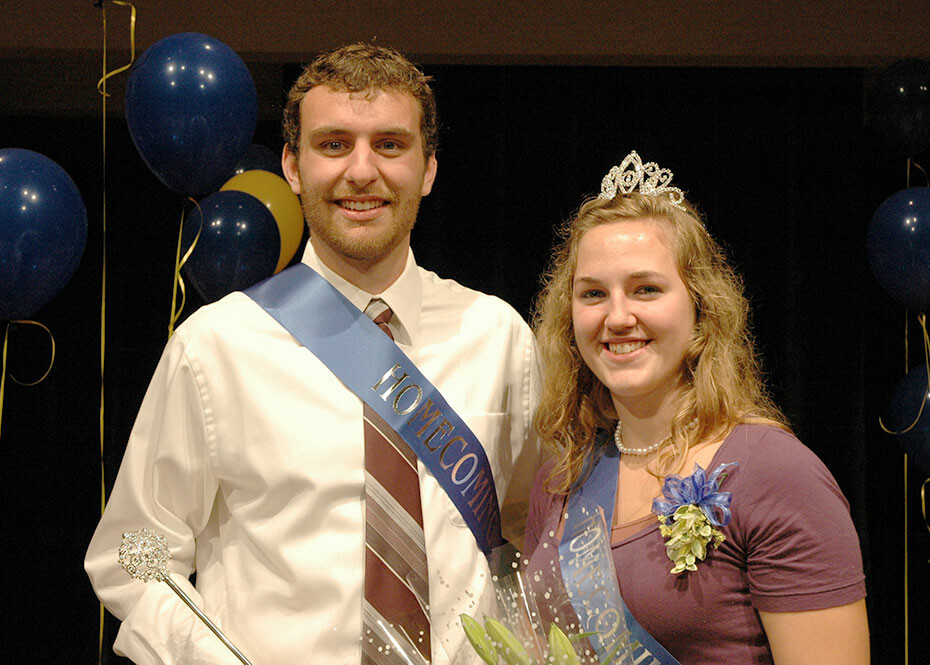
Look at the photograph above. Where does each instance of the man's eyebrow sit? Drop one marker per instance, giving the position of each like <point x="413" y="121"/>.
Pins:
<point x="395" y="131"/>
<point x="329" y="130"/>
<point x="335" y="130"/>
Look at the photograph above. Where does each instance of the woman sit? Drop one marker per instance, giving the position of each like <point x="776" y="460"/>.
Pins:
<point x="643" y="328"/>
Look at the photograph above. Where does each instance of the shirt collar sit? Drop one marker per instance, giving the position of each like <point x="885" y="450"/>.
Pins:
<point x="404" y="296"/>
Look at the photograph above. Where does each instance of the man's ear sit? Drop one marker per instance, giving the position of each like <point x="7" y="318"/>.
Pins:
<point x="290" y="167"/>
<point x="430" y="175"/>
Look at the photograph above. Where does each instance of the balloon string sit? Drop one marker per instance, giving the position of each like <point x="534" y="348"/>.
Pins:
<point x="178" y="280"/>
<point x="922" y="318"/>
<point x="179" y="262"/>
<point x="51" y="361"/>
<point x="3" y="372"/>
<point x="926" y="344"/>
<point x="911" y="162"/>
<point x="6" y="337"/>
<point x="907" y="617"/>
<point x="101" y="84"/>
<point x="923" y="503"/>
<point x="102" y="89"/>
<point x="190" y="250"/>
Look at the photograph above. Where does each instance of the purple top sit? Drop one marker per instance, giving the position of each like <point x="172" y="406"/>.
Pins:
<point x="790" y="546"/>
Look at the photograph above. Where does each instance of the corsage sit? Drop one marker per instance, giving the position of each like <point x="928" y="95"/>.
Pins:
<point x="691" y="510"/>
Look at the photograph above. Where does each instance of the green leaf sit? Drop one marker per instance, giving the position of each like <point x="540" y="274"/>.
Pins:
<point x="698" y="550"/>
<point x="561" y="651"/>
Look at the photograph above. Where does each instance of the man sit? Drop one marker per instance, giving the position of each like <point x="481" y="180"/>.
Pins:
<point x="248" y="452"/>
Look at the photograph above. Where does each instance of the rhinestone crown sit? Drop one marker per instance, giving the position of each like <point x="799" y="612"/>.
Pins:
<point x="632" y="174"/>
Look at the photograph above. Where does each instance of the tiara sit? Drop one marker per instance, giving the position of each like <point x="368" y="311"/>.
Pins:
<point x="648" y="178"/>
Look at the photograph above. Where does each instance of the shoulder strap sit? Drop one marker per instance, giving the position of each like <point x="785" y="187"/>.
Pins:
<point x="382" y="376"/>
<point x="587" y="565"/>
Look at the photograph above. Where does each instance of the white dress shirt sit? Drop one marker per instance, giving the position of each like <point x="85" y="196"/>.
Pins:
<point x="248" y="455"/>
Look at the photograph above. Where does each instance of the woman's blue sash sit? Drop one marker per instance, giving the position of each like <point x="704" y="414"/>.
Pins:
<point x="372" y="366"/>
<point x="599" y="488"/>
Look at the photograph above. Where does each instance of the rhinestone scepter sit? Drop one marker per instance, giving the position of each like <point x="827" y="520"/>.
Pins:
<point x="632" y="174"/>
<point x="144" y="555"/>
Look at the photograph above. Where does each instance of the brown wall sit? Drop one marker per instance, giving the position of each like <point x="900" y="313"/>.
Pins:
<point x="805" y="32"/>
<point x="51" y="50"/>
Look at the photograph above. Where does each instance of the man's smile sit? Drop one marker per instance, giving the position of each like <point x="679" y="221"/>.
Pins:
<point x="349" y="204"/>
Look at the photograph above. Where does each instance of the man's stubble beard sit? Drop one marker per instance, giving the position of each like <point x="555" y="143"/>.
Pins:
<point x="318" y="213"/>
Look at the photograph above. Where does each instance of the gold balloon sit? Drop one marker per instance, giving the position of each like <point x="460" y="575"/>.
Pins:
<point x="273" y="190"/>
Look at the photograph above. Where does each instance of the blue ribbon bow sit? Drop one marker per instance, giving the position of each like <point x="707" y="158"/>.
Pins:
<point x="698" y="489"/>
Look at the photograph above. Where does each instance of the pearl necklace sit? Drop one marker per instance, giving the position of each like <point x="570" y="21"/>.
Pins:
<point x="618" y="440"/>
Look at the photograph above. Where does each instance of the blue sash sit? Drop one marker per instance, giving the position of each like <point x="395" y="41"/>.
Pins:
<point x="582" y="574"/>
<point x="382" y="376"/>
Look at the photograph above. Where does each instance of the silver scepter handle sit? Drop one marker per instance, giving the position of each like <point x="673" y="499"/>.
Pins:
<point x="144" y="555"/>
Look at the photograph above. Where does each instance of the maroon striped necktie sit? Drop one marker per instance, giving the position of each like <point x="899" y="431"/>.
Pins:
<point x="396" y="587"/>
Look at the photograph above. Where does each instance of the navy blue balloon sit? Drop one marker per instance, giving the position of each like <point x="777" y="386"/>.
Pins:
<point x="898" y="245"/>
<point x="43" y="230"/>
<point x="239" y="244"/>
<point x="191" y="107"/>
<point x="908" y="396"/>
<point x="898" y="106"/>
<point x="259" y="157"/>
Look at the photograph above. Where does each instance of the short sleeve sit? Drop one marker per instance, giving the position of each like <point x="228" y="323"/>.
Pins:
<point x="802" y="550"/>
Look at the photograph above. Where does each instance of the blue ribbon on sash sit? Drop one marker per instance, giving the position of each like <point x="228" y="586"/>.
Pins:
<point x="372" y="366"/>
<point x="583" y="579"/>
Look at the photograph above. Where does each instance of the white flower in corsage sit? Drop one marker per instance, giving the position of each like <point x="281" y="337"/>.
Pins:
<point x="692" y="508"/>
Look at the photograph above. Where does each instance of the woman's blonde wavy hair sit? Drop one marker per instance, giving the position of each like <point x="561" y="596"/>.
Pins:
<point x="721" y="375"/>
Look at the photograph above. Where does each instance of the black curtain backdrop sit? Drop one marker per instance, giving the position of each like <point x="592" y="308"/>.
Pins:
<point x="780" y="161"/>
